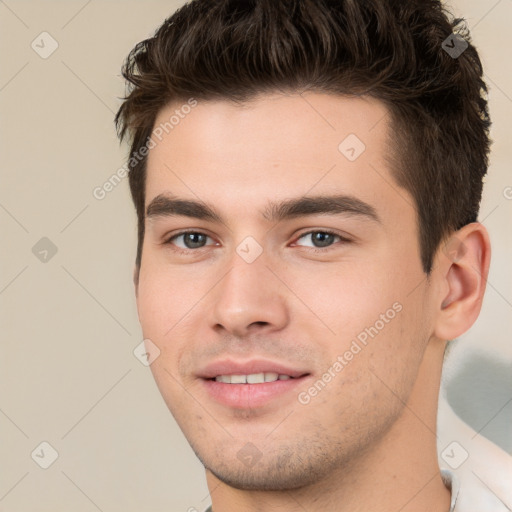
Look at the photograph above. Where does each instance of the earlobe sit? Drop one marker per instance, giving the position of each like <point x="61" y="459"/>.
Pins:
<point x="463" y="263"/>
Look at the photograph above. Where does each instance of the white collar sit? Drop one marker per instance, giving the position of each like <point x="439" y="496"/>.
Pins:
<point x="452" y="483"/>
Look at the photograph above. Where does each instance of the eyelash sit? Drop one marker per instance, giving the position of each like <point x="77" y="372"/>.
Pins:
<point x="311" y="249"/>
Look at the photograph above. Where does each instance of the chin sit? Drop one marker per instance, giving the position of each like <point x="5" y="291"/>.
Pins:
<point x="284" y="472"/>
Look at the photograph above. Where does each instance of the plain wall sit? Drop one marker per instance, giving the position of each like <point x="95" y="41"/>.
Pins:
<point x="69" y="325"/>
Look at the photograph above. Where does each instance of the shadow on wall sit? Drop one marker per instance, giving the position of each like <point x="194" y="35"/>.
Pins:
<point x="480" y="393"/>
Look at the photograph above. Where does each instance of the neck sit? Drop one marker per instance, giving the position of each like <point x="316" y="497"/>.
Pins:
<point x="401" y="472"/>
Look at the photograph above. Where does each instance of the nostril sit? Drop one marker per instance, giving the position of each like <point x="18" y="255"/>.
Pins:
<point x="260" y="323"/>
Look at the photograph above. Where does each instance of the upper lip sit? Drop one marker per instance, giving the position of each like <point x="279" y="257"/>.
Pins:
<point x="231" y="367"/>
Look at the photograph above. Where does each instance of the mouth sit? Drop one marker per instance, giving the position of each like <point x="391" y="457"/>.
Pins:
<point x="252" y="384"/>
<point x="252" y="378"/>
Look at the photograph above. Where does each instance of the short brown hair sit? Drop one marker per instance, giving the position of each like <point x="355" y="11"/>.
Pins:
<point x="389" y="49"/>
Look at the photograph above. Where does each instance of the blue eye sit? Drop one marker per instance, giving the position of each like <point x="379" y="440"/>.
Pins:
<point x="191" y="240"/>
<point x="322" y="239"/>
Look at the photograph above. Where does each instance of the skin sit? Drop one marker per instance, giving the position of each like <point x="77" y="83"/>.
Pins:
<point x="366" y="441"/>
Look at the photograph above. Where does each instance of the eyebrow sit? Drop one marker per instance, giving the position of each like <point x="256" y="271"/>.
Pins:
<point x="165" y="206"/>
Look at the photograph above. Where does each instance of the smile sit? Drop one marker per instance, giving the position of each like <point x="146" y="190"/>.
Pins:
<point x="253" y="378"/>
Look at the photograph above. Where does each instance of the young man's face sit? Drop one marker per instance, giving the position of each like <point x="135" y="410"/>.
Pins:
<point x="347" y="314"/>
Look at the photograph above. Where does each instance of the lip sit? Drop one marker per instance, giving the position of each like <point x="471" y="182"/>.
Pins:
<point x="250" y="396"/>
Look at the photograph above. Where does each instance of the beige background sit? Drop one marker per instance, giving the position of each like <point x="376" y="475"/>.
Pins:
<point x="68" y="373"/>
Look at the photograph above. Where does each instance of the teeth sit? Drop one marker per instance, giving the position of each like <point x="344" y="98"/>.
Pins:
<point x="253" y="378"/>
<point x="271" y="377"/>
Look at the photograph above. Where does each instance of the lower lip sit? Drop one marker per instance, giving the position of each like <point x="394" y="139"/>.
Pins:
<point x="248" y="396"/>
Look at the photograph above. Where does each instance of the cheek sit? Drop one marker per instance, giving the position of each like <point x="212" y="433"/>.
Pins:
<point x="163" y="303"/>
<point x="164" y="298"/>
<point x="171" y="310"/>
<point x="153" y="307"/>
<point x="375" y="322"/>
<point x="395" y="349"/>
<point x="349" y="300"/>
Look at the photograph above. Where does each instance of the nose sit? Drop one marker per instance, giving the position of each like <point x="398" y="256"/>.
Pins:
<point x="249" y="298"/>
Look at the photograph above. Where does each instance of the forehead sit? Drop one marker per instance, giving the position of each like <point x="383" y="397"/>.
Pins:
<point x="273" y="147"/>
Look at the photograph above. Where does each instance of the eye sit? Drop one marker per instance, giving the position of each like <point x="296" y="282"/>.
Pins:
<point x="322" y="238"/>
<point x="188" y="240"/>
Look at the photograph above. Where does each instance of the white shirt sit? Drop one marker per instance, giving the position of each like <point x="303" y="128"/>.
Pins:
<point x="478" y="471"/>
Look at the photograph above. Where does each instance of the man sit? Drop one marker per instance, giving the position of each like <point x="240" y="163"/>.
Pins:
<point x="307" y="178"/>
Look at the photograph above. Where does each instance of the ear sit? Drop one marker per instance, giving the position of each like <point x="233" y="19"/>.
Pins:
<point x="462" y="267"/>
